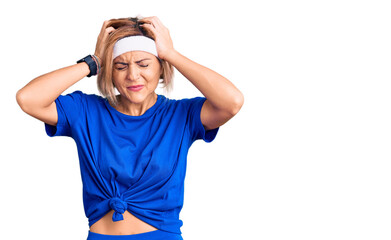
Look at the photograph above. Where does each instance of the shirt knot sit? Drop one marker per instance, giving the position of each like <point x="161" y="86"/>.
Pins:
<point x="119" y="206"/>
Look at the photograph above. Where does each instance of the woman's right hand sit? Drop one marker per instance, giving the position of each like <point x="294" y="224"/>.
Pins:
<point x="102" y="38"/>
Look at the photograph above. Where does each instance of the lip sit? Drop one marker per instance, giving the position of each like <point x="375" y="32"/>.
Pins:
<point x="135" y="88"/>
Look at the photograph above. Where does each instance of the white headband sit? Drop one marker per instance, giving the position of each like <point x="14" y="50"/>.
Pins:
<point x="134" y="43"/>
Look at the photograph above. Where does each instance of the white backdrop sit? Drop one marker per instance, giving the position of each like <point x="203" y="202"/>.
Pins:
<point x="307" y="157"/>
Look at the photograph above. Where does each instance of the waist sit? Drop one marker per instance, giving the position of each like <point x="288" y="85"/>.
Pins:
<point x="129" y="225"/>
<point x="153" y="235"/>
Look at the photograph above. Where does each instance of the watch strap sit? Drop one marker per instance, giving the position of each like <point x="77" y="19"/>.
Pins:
<point x="91" y="64"/>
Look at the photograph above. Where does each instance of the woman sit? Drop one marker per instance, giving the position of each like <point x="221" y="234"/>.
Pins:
<point x="133" y="146"/>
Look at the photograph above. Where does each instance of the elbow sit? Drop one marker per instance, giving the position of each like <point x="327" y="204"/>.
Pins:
<point x="238" y="101"/>
<point x="20" y="99"/>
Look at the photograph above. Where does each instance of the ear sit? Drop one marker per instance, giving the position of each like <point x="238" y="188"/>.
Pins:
<point x="161" y="73"/>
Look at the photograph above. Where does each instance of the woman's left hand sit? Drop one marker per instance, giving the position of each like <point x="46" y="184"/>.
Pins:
<point x="164" y="45"/>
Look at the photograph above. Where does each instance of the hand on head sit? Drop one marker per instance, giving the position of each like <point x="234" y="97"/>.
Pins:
<point x="161" y="34"/>
<point x="102" y="38"/>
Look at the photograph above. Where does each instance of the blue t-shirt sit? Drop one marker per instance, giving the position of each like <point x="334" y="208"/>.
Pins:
<point x="134" y="163"/>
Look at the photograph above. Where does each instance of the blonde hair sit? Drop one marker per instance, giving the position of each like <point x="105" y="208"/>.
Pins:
<point x="125" y="27"/>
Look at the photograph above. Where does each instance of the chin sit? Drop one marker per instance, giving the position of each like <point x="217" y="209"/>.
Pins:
<point x="137" y="97"/>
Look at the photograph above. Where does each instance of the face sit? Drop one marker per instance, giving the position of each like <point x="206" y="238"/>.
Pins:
<point x="136" y="68"/>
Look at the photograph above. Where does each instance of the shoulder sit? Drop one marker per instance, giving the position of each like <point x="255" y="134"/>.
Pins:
<point x="87" y="96"/>
<point x="183" y="105"/>
<point x="81" y="99"/>
<point x="184" y="102"/>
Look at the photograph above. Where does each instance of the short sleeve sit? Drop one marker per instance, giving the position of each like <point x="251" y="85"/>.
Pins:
<point x="69" y="108"/>
<point x="197" y="130"/>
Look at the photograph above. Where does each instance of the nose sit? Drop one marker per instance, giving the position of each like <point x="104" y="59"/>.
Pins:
<point x="133" y="73"/>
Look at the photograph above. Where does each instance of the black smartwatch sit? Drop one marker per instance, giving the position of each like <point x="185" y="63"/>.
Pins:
<point x="91" y="64"/>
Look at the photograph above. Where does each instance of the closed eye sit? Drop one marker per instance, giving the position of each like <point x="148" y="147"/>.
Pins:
<point x="120" y="65"/>
<point x="142" y="63"/>
<point x="123" y="65"/>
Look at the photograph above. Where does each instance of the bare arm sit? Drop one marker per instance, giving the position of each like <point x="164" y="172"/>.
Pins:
<point x="223" y="99"/>
<point x="38" y="97"/>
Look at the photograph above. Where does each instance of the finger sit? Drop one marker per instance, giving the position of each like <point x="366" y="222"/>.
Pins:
<point x="105" y="23"/>
<point x="104" y="28"/>
<point x="106" y="33"/>
<point x="157" y="20"/>
<point x="157" y="23"/>
<point x="146" y="18"/>
<point x="149" y="27"/>
<point x="150" y="20"/>
<point x="109" y="30"/>
<point x="147" y="22"/>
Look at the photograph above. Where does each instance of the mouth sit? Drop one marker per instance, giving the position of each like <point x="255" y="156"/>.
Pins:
<point x="135" y="88"/>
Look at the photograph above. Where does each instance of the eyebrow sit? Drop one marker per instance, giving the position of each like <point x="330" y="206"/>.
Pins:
<point x="139" y="61"/>
<point x="122" y="63"/>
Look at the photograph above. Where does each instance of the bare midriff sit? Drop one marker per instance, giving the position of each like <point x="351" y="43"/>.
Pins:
<point x="130" y="225"/>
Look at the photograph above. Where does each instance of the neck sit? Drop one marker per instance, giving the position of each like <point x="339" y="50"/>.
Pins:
<point x="136" y="109"/>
